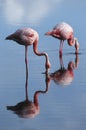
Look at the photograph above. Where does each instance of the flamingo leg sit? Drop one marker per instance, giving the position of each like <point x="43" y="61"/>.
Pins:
<point x="26" y="62"/>
<point x="61" y="47"/>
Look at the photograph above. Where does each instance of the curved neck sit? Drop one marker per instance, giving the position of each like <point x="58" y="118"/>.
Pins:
<point x="37" y="94"/>
<point x="35" y="49"/>
<point x="36" y="98"/>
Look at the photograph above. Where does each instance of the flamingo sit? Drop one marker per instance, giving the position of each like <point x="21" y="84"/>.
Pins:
<point x="28" y="108"/>
<point x="27" y="37"/>
<point x="64" y="31"/>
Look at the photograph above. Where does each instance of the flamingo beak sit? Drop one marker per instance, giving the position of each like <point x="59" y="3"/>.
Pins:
<point x="76" y="45"/>
<point x="48" y="33"/>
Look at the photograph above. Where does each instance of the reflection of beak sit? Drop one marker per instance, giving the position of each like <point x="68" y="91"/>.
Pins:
<point x="76" y="45"/>
<point x="71" y="65"/>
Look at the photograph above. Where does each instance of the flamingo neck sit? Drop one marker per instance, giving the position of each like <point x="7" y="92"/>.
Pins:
<point x="37" y="94"/>
<point x="36" y="99"/>
<point x="35" y="49"/>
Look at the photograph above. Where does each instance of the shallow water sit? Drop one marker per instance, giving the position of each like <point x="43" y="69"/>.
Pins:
<point x="56" y="100"/>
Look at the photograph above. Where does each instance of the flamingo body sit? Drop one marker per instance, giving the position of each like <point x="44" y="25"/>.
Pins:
<point x="63" y="76"/>
<point x="24" y="36"/>
<point x="64" y="31"/>
<point x="25" y="109"/>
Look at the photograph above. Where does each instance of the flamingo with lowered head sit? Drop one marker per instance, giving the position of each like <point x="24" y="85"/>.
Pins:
<point x="27" y="37"/>
<point x="64" y="31"/>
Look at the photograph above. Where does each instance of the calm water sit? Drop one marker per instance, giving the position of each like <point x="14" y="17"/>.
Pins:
<point x="48" y="103"/>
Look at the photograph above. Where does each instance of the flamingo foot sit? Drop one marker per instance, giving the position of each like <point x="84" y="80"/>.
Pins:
<point x="76" y="52"/>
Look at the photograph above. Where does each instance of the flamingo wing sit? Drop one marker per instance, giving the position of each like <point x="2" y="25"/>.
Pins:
<point x="29" y="36"/>
<point x="64" y="30"/>
<point x="24" y="36"/>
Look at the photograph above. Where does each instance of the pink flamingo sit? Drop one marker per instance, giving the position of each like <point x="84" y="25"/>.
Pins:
<point x="64" y="31"/>
<point x="27" y="37"/>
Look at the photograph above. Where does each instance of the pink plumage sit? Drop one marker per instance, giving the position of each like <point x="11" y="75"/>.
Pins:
<point x="64" y="31"/>
<point x="24" y="36"/>
<point x="27" y="37"/>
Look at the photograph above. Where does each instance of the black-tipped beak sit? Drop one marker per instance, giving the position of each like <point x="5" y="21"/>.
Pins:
<point x="10" y="37"/>
<point x="6" y="38"/>
<point x="48" y="33"/>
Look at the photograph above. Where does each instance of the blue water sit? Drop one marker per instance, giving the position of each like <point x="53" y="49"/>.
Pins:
<point x="58" y="106"/>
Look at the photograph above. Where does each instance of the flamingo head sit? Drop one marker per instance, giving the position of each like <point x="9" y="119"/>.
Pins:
<point x="74" y="42"/>
<point x="71" y="65"/>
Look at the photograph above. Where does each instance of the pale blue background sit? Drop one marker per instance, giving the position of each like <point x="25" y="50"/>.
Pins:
<point x="61" y="108"/>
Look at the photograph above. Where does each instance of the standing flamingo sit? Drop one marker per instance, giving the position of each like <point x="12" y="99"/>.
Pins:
<point x="64" y="31"/>
<point x="27" y="37"/>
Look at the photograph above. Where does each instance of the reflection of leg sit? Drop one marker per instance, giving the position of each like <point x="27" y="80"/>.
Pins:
<point x="61" y="62"/>
<point x="61" y="47"/>
<point x="26" y="62"/>
<point x="47" y="81"/>
<point x="76" y="61"/>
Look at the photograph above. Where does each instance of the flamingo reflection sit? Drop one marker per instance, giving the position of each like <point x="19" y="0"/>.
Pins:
<point x="28" y="108"/>
<point x="65" y="76"/>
